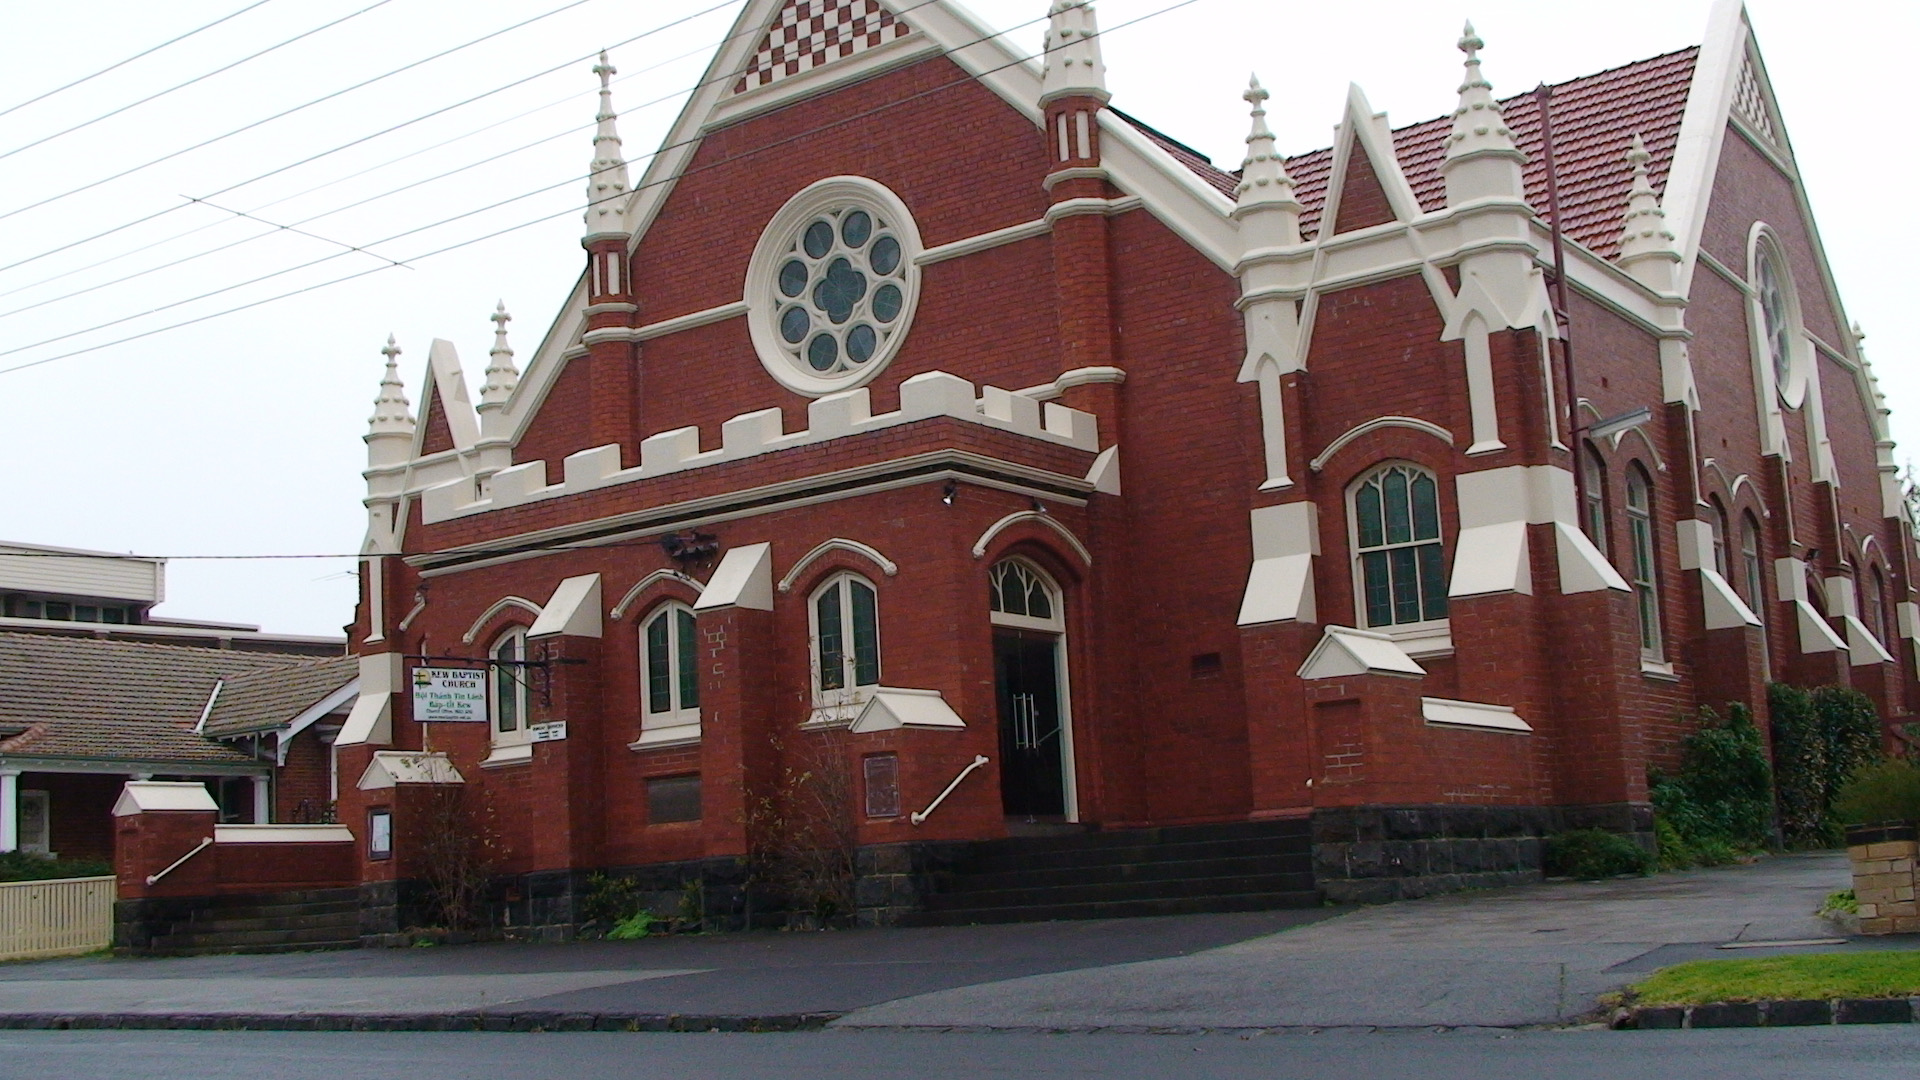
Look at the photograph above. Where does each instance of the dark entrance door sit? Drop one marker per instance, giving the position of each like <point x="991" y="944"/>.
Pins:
<point x="1027" y="682"/>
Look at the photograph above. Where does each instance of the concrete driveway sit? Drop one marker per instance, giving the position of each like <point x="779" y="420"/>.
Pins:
<point x="1511" y="957"/>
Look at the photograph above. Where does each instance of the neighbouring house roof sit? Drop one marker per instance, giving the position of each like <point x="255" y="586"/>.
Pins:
<point x="1594" y="120"/>
<point x="83" y="698"/>
<point x="266" y="700"/>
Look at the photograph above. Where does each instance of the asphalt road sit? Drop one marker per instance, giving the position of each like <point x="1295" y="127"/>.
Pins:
<point x="1878" y="1053"/>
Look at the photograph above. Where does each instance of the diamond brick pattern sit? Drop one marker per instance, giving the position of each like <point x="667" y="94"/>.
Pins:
<point x="810" y="33"/>
<point x="1750" y="104"/>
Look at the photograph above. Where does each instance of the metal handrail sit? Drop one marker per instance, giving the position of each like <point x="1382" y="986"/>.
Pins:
<point x="204" y="845"/>
<point x="978" y="760"/>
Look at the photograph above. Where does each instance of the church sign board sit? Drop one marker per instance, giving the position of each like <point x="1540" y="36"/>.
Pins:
<point x="449" y="694"/>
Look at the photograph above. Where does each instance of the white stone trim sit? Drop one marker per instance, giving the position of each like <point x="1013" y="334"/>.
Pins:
<point x="1044" y="518"/>
<point x="744" y="578"/>
<point x="281" y="834"/>
<point x="1344" y="652"/>
<point x="924" y="396"/>
<point x="1378" y="423"/>
<point x="691" y="321"/>
<point x="890" y="708"/>
<point x="572" y="610"/>
<point x="985" y="241"/>
<point x="497" y="607"/>
<point x="648" y="582"/>
<point x="1446" y="712"/>
<point x="871" y="554"/>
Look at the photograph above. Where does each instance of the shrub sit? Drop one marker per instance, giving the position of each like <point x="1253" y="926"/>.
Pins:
<point x="1887" y="791"/>
<point x="1820" y="739"/>
<point x="1722" y="798"/>
<point x="22" y="866"/>
<point x="633" y="927"/>
<point x="1843" y="902"/>
<point x="1589" y="854"/>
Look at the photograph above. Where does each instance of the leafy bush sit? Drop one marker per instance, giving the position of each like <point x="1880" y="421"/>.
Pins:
<point x="1842" y="901"/>
<point x="22" y="866"/>
<point x="1590" y="854"/>
<point x="1721" y="800"/>
<point x="610" y="899"/>
<point x="633" y="927"/>
<point x="1887" y="791"/>
<point x="1820" y="739"/>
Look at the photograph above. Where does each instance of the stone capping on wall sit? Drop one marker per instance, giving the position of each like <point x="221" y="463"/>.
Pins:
<point x="1883" y="858"/>
<point x="924" y="396"/>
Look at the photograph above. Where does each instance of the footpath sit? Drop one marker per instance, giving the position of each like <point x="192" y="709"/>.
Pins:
<point x="1526" y="956"/>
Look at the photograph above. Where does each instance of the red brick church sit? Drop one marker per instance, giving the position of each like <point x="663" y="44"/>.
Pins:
<point x="921" y="419"/>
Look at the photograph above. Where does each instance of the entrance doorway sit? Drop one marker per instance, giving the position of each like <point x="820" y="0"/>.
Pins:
<point x="1030" y="690"/>
<point x="1032" y="765"/>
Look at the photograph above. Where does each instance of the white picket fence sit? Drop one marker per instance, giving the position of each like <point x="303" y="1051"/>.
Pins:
<point x="55" y="918"/>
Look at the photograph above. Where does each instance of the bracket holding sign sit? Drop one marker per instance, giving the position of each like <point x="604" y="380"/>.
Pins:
<point x="539" y="674"/>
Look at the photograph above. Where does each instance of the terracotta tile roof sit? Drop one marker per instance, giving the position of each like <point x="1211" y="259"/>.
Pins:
<point x="1201" y="164"/>
<point x="91" y="698"/>
<point x="1594" y="120"/>
<point x="265" y="700"/>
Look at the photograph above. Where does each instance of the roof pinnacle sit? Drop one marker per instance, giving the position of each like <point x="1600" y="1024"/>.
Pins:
<point x="1072" y="65"/>
<point x="1645" y="237"/>
<point x="1264" y="182"/>
<point x="501" y="375"/>
<point x="607" y="185"/>
<point x="391" y="413"/>
<point x="1478" y="125"/>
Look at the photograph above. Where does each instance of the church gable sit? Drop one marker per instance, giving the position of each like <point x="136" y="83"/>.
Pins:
<point x="808" y="34"/>
<point x="1363" y="201"/>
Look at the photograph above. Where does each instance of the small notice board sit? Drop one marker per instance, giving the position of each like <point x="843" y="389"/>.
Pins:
<point x="447" y="695"/>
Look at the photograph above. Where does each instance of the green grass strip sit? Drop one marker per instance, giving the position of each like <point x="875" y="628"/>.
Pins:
<point x="1893" y="973"/>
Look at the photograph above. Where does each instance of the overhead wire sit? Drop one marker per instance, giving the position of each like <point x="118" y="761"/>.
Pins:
<point x="181" y="86"/>
<point x="359" y="202"/>
<point x="175" y="40"/>
<point x="123" y="226"/>
<point x="89" y="186"/>
<point x="759" y="149"/>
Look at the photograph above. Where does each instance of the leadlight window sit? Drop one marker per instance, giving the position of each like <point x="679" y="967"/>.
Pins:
<point x="1750" y="561"/>
<point x="1775" y="314"/>
<point x="840" y="290"/>
<point x="1873" y="603"/>
<point x="1717" y="524"/>
<point x="846" y="636"/>
<point x="671" y="660"/>
<point x="509" y="683"/>
<point x="1015" y="590"/>
<point x="1594" y="481"/>
<point x="1646" y="589"/>
<point x="1396" y="515"/>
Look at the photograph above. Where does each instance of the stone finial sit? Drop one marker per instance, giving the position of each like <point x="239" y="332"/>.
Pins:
<point x="392" y="414"/>
<point x="1648" y="249"/>
<point x="1482" y="160"/>
<point x="607" y="186"/>
<point x="501" y="375"/>
<point x="1072" y="60"/>
<point x="1264" y="182"/>
<point x="1479" y="128"/>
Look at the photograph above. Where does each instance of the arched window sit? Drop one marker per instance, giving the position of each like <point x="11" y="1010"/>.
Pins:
<point x="846" y="639"/>
<point x="1717" y="523"/>
<point x="1750" y="564"/>
<point x="1594" y="481"/>
<point x="1019" y="595"/>
<point x="1396" y="541"/>
<point x="670" y="667"/>
<point x="1873" y="609"/>
<point x="1646" y="587"/>
<point x="509" y="685"/>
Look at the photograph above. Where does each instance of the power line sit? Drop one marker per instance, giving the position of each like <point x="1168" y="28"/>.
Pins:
<point x="360" y="202"/>
<point x="344" y="146"/>
<point x="123" y="63"/>
<point x="289" y="112"/>
<point x="197" y="78"/>
<point x="759" y="149"/>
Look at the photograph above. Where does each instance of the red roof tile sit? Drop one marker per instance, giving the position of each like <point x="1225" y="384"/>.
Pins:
<point x="1594" y="121"/>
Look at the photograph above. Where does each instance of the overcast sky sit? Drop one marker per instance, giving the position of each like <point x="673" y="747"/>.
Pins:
<point x="240" y="434"/>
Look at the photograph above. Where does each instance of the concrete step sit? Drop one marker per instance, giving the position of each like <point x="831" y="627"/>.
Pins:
<point x="1120" y="909"/>
<point x="1142" y="870"/>
<point x="993" y="857"/>
<point x="226" y="940"/>
<point x="1118" y="892"/>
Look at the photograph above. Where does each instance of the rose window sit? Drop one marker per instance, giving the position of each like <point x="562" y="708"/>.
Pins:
<point x="842" y="288"/>
<point x="832" y="285"/>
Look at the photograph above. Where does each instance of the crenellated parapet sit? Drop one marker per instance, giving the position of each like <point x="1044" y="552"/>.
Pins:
<point x="922" y="397"/>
